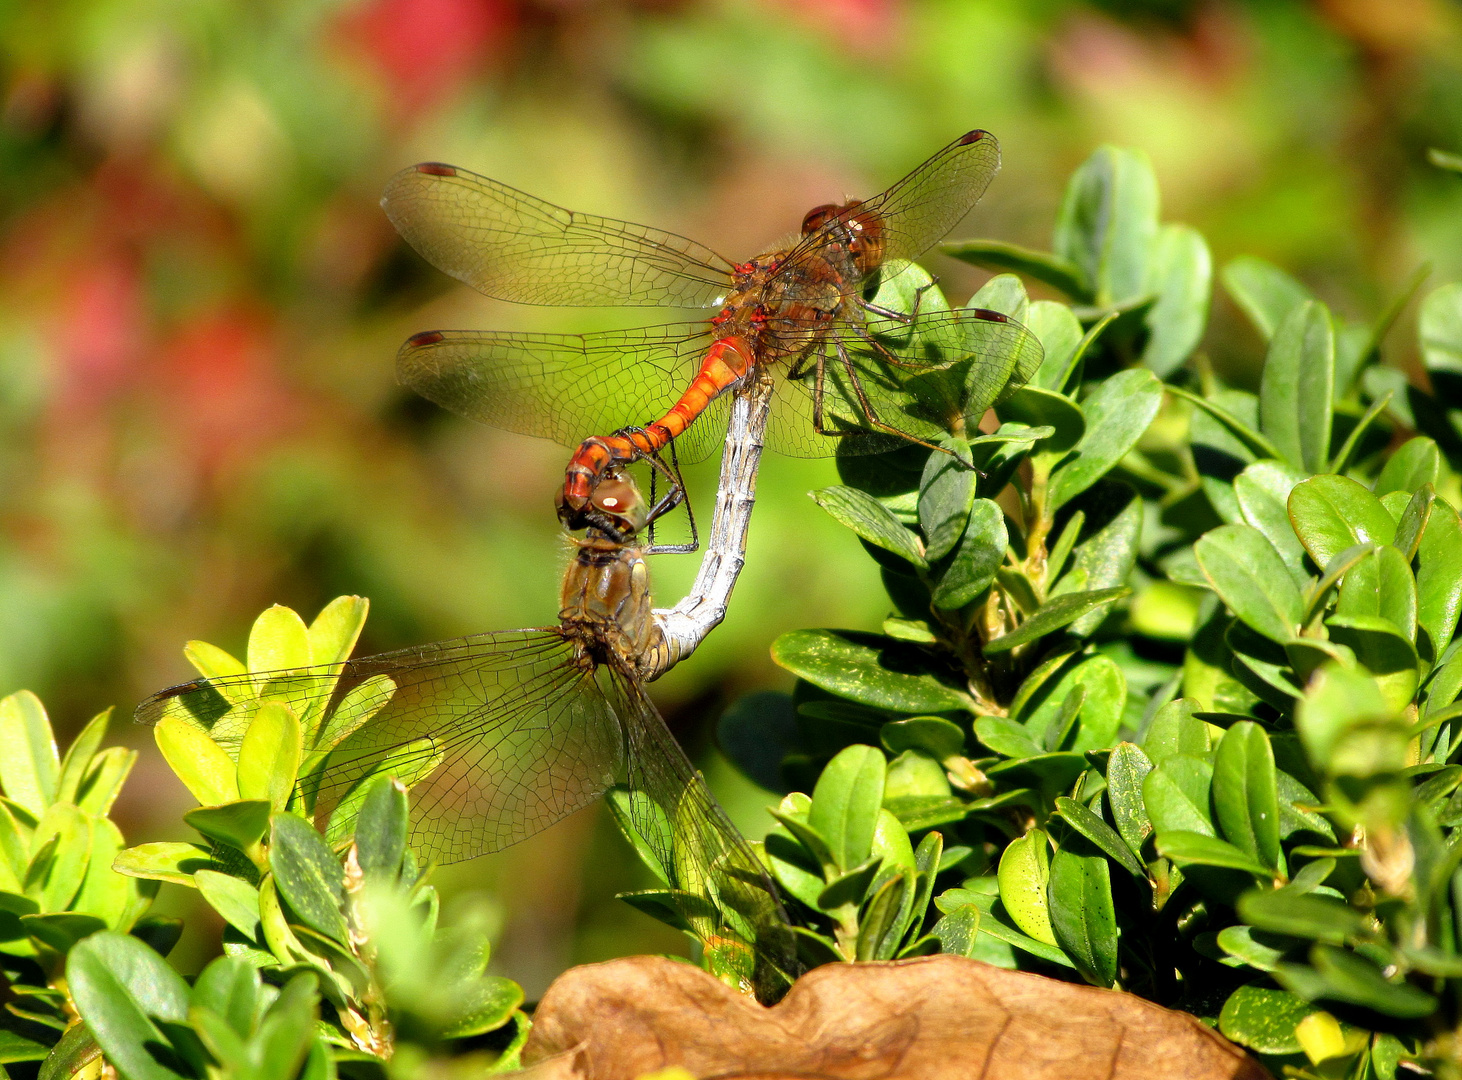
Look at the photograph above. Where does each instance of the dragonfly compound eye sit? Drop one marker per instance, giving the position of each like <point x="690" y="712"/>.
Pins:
<point x="617" y="497"/>
<point x="819" y="216"/>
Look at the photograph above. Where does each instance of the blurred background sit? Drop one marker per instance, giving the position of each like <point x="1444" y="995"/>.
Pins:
<point x="200" y="299"/>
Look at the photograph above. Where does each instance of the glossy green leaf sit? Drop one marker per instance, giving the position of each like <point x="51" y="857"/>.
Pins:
<point x="946" y="493"/>
<point x="1241" y="943"/>
<point x="278" y="641"/>
<point x="1415" y="462"/>
<point x="1439" y="328"/>
<point x="1006" y="737"/>
<point x="1038" y="407"/>
<point x="1174" y="730"/>
<point x="336" y="629"/>
<point x="1411" y="523"/>
<point x="79" y="756"/>
<point x="121" y="987"/>
<point x="1298" y="387"/>
<point x="199" y="762"/>
<point x="1265" y="293"/>
<point x="1183" y="272"/>
<point x="1176" y="794"/>
<point x="1104" y="700"/>
<point x="1246" y="793"/>
<point x="1251" y="579"/>
<point x="846" y="802"/>
<point x="1262" y="491"/>
<point x="235" y="900"/>
<point x="104" y="892"/>
<point x="104" y="779"/>
<point x="1060" y="334"/>
<point x="491" y="1003"/>
<point x="1337" y="701"/>
<point x="957" y="932"/>
<point x="1023" y="875"/>
<point x="871" y="521"/>
<point x="932" y="735"/>
<point x="1263" y="1019"/>
<point x="1381" y="586"/>
<point x="981" y="550"/>
<point x="164" y="861"/>
<point x="1117" y="413"/>
<point x="1083" y="916"/>
<point x="1108" y="223"/>
<point x="863" y="668"/>
<point x="240" y="824"/>
<point x="308" y="875"/>
<point x="381" y="829"/>
<point x="913" y="773"/>
<point x="1439" y="578"/>
<point x="1200" y="849"/>
<point x="1355" y="980"/>
<point x="29" y="765"/>
<point x="1384" y="651"/>
<point x="1043" y="266"/>
<point x="1100" y="833"/>
<point x="1106" y="546"/>
<point x="1055" y="614"/>
<point x="1227" y="423"/>
<point x="269" y="755"/>
<point x="1301" y="915"/>
<point x="1127" y="768"/>
<point x="1331" y="513"/>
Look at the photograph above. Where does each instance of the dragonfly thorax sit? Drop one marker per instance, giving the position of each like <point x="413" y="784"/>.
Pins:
<point x="605" y="602"/>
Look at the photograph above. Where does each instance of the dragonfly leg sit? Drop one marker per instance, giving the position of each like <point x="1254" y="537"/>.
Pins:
<point x="672" y="498"/>
<point x="904" y="317"/>
<point x="870" y="415"/>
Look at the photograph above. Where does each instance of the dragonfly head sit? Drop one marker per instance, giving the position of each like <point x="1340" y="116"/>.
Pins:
<point x="848" y="225"/>
<point x="615" y="507"/>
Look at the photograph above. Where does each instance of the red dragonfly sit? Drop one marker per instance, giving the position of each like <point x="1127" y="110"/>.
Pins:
<point x="500" y="735"/>
<point x="849" y="367"/>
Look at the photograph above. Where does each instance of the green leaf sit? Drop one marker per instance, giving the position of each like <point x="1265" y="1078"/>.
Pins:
<point x="491" y="1003"/>
<point x="878" y="922"/>
<point x="103" y="781"/>
<point x="1101" y="834"/>
<point x="199" y="762"/>
<point x="1040" y="408"/>
<point x="1246" y="792"/>
<point x="1301" y="915"/>
<point x="1023" y="874"/>
<point x="269" y="755"/>
<point x="957" y="932"/>
<point x="278" y="641"/>
<point x="1117" y="413"/>
<point x="1083" y="916"/>
<point x="997" y="255"/>
<point x="1355" y="980"/>
<point x="1108" y="224"/>
<point x="1336" y="702"/>
<point x="981" y="550"/>
<point x="1006" y="737"/>
<point x="1174" y="730"/>
<point x="864" y="668"/>
<point x="915" y="774"/>
<point x="946" y="493"/>
<point x="1298" y="387"/>
<point x="232" y="991"/>
<point x="54" y="880"/>
<point x="1263" y="1019"/>
<point x="235" y="900"/>
<point x="120" y="987"/>
<point x="1381" y="586"/>
<point x="164" y="862"/>
<point x="1262" y="491"/>
<point x="1060" y="335"/>
<point x="932" y="735"/>
<point x="846" y="802"/>
<point x="29" y="765"/>
<point x="1415" y="462"/>
<point x="79" y="755"/>
<point x="336" y="629"/>
<point x="104" y="893"/>
<point x="1439" y="328"/>
<point x="1107" y="545"/>
<point x="1183" y="271"/>
<point x="240" y="824"/>
<point x="1439" y="578"/>
<point x="1240" y="943"/>
<point x="871" y="521"/>
<point x="380" y="830"/>
<point x="1265" y="293"/>
<point x="1384" y="651"/>
<point x="1127" y="768"/>
<point x="1176" y="794"/>
<point x="1331" y="513"/>
<point x="1199" y="849"/>
<point x="308" y="875"/>
<point x="1251" y="579"/>
<point x="1104" y="700"/>
<point x="1053" y="615"/>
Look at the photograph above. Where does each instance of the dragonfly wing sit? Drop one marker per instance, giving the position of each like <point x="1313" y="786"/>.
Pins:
<point x="921" y="208"/>
<point x="564" y="387"/>
<point x="718" y="884"/>
<point x="498" y="736"/>
<point x="925" y="380"/>
<point x="513" y="246"/>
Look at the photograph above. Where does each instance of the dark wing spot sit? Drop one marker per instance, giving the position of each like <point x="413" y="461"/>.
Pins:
<point x="969" y="137"/>
<point x="436" y="168"/>
<point x="425" y="338"/>
<point x="981" y="313"/>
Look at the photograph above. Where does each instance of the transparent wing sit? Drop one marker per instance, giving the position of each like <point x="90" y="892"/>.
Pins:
<point x="565" y="387"/>
<point x="924" y="380"/>
<point x="497" y="735"/>
<point x="717" y="883"/>
<point x="513" y="246"/>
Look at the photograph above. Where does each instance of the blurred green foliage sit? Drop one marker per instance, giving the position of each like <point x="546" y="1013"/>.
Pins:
<point x="199" y="299"/>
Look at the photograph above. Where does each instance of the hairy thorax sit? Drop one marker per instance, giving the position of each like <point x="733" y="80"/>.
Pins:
<point x="605" y="603"/>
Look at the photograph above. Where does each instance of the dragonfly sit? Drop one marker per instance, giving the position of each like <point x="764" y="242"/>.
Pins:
<point x="856" y="374"/>
<point x="500" y="735"/>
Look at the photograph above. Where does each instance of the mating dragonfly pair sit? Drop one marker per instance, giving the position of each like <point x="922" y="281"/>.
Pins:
<point x="500" y="735"/>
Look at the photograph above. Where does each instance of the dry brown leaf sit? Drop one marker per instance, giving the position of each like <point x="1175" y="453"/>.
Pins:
<point x="934" y="1018"/>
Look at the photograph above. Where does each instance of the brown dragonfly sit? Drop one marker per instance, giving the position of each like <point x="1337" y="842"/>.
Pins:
<point x="500" y="735"/>
<point x="863" y="372"/>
